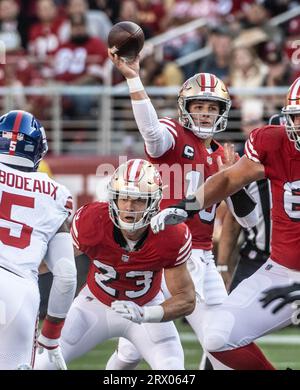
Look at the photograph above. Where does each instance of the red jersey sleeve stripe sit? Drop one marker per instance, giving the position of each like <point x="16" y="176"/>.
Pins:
<point x="186" y="244"/>
<point x="170" y="126"/>
<point x="249" y="154"/>
<point x="251" y="147"/>
<point x="178" y="262"/>
<point x="183" y="254"/>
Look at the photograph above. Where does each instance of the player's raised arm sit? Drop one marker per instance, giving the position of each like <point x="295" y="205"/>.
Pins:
<point x="157" y="138"/>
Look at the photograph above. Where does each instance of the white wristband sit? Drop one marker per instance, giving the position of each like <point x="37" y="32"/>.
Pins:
<point x="222" y="268"/>
<point x="46" y="342"/>
<point x="135" y="85"/>
<point x="153" y="313"/>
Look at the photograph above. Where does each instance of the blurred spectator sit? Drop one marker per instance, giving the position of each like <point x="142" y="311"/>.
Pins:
<point x="128" y="11"/>
<point x="98" y="23"/>
<point x="252" y="117"/>
<point x="279" y="75"/>
<point x="257" y="15"/>
<point x="9" y="26"/>
<point x="151" y="15"/>
<point x="218" y="61"/>
<point x="279" y="68"/>
<point x="251" y="37"/>
<point x="292" y="46"/>
<point x="188" y="10"/>
<point x="110" y="7"/>
<point x="276" y="7"/>
<point x="19" y="72"/>
<point x="160" y="74"/>
<point x="46" y="35"/>
<point x="183" y="12"/>
<point x="246" y="70"/>
<point x="80" y="62"/>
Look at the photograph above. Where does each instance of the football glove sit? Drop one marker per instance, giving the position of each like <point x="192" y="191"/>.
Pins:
<point x="135" y="313"/>
<point x="287" y="294"/>
<point x="169" y="216"/>
<point x="129" y="310"/>
<point x="54" y="352"/>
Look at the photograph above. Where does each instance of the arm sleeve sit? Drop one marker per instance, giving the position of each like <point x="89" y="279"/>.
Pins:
<point x="244" y="208"/>
<point x="158" y="139"/>
<point x="60" y="261"/>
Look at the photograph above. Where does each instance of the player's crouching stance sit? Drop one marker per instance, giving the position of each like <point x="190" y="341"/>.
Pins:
<point x="33" y="211"/>
<point x="122" y="296"/>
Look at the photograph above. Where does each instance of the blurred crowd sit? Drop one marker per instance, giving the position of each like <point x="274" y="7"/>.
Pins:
<point x="63" y="42"/>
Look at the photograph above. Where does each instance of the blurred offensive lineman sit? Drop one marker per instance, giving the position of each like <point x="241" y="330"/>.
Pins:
<point x="122" y="296"/>
<point x="33" y="211"/>
<point x="272" y="152"/>
<point x="203" y="105"/>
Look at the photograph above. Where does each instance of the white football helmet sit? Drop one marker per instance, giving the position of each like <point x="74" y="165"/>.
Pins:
<point x="204" y="86"/>
<point x="291" y="108"/>
<point x="135" y="179"/>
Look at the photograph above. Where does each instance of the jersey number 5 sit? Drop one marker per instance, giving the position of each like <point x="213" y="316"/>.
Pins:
<point x="14" y="233"/>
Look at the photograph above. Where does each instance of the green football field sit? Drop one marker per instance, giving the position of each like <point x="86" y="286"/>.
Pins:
<point x="282" y="348"/>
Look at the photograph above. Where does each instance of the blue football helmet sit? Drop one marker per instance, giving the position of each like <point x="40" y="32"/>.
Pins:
<point x="22" y="139"/>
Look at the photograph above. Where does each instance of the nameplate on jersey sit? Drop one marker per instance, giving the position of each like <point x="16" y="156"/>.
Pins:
<point x="188" y="152"/>
<point x="125" y="258"/>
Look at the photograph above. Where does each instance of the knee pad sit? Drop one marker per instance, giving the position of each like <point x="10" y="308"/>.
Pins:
<point x="214" y="342"/>
<point x="217" y="330"/>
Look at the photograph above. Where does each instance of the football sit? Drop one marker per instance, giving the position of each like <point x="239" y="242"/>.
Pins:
<point x="126" y="39"/>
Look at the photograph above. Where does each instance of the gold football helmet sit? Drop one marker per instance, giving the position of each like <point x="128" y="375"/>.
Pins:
<point x="292" y="107"/>
<point x="135" y="179"/>
<point x="204" y="86"/>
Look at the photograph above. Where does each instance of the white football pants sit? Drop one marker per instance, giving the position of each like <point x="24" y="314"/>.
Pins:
<point x="210" y="291"/>
<point x="241" y="318"/>
<point x="19" y="305"/>
<point x="90" y="322"/>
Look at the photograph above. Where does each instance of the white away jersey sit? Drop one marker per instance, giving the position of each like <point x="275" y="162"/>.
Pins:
<point x="32" y="209"/>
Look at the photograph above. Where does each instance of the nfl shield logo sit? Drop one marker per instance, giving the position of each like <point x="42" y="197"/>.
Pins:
<point x="125" y="258"/>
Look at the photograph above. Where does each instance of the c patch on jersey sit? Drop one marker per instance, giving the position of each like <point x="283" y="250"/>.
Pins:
<point x="188" y="152"/>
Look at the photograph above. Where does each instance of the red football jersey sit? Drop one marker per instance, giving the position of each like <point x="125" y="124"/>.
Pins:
<point x="119" y="274"/>
<point x="44" y="39"/>
<point x="71" y="61"/>
<point x="191" y="164"/>
<point x="271" y="147"/>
